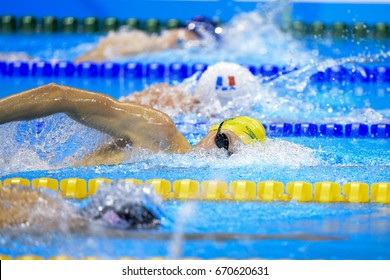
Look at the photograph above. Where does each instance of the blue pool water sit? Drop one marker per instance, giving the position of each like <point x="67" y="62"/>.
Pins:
<point x="240" y="230"/>
<point x="232" y="230"/>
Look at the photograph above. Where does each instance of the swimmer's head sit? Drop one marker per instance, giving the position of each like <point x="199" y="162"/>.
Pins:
<point x="228" y="84"/>
<point x="225" y="134"/>
<point x="248" y="129"/>
<point x="125" y="205"/>
<point x="203" y="27"/>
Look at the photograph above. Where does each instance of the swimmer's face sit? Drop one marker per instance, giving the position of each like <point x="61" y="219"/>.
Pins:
<point x="227" y="139"/>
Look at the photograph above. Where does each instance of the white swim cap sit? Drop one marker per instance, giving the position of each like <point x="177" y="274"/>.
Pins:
<point x="227" y="85"/>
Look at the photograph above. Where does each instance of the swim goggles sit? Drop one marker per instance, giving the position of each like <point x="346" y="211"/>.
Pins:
<point x="222" y="141"/>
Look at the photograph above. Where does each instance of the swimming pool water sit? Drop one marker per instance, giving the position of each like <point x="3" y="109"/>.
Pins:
<point x="268" y="44"/>
<point x="237" y="230"/>
<point x="286" y="159"/>
<point x="230" y="230"/>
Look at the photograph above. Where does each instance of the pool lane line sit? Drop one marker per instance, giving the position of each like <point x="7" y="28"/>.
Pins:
<point x="217" y="190"/>
<point x="28" y="24"/>
<point x="158" y="72"/>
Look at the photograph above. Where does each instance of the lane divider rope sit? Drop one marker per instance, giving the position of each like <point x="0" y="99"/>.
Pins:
<point x="179" y="71"/>
<point x="306" y="129"/>
<point x="215" y="190"/>
<point x="49" y="24"/>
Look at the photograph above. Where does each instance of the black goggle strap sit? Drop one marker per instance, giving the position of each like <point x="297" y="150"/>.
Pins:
<point x="221" y="140"/>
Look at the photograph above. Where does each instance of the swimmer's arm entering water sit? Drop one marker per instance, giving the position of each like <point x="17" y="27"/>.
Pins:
<point x="139" y="125"/>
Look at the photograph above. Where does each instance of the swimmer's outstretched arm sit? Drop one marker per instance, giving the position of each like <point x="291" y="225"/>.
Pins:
<point x="124" y="43"/>
<point x="142" y="126"/>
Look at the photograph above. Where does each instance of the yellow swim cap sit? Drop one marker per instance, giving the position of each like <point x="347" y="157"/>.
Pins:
<point x="248" y="129"/>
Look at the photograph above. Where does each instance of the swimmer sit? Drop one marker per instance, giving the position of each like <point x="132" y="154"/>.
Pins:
<point x="115" y="205"/>
<point x="221" y="88"/>
<point x="130" y="124"/>
<point x="42" y="214"/>
<point x="131" y="42"/>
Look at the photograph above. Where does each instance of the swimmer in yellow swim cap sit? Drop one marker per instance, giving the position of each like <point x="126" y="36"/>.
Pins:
<point x="246" y="129"/>
<point x="128" y="123"/>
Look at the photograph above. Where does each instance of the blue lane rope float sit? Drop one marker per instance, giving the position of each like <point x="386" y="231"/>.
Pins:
<point x="155" y="70"/>
<point x="178" y="71"/>
<point x="284" y="129"/>
<point x="215" y="190"/>
<point x="87" y="70"/>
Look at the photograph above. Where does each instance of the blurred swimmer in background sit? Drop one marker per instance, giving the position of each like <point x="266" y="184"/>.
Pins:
<point x="119" y="205"/>
<point x="131" y="42"/>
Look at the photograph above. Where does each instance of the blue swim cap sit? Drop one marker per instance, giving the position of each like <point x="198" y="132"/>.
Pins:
<point x="203" y="27"/>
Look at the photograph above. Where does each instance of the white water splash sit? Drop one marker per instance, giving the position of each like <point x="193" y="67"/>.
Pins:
<point x="59" y="142"/>
<point x="274" y="152"/>
<point x="177" y="243"/>
<point x="367" y="116"/>
<point x="257" y="36"/>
